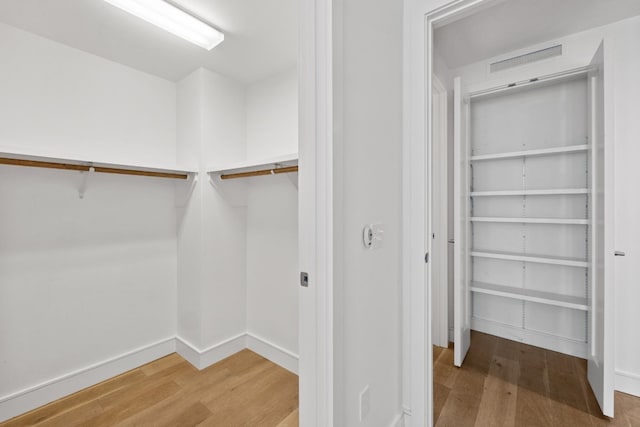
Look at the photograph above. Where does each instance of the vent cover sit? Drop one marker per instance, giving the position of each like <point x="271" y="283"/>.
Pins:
<point x="527" y="58"/>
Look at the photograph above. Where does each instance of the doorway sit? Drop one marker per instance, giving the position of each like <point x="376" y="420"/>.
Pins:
<point x="435" y="20"/>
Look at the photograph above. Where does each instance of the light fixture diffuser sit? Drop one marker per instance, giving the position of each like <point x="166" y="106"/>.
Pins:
<point x="170" y="18"/>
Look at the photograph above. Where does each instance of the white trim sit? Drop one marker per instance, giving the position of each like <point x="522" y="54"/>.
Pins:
<point x="273" y="352"/>
<point x="22" y="401"/>
<point x="530" y="337"/>
<point x="315" y="219"/>
<point x="202" y="359"/>
<point x="627" y="382"/>
<point x="439" y="196"/>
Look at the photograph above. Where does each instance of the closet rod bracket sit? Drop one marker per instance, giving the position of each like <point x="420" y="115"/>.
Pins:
<point x="84" y="176"/>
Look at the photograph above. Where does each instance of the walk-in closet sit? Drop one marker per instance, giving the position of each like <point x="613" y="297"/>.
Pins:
<point x="149" y="207"/>
<point x="528" y="190"/>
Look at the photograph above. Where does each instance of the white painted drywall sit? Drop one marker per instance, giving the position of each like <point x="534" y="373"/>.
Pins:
<point x="627" y="204"/>
<point x="211" y="229"/>
<point x="272" y="213"/>
<point x="82" y="281"/>
<point x="368" y="150"/>
<point x="272" y="114"/>
<point x="578" y="50"/>
<point x="64" y="102"/>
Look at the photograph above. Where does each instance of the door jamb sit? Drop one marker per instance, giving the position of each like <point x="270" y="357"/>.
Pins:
<point x="315" y="205"/>
<point x="420" y="18"/>
<point x="439" y="173"/>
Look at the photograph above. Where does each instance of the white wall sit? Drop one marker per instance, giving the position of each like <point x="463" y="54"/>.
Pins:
<point x="77" y="105"/>
<point x="367" y="145"/>
<point x="272" y="114"/>
<point x="578" y="50"/>
<point x="211" y="230"/>
<point x="82" y="281"/>
<point x="627" y="207"/>
<point x="272" y="213"/>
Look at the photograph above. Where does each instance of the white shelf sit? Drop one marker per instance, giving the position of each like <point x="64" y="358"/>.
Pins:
<point x="559" y="191"/>
<point x="532" y="153"/>
<point x="540" y="259"/>
<point x="70" y="162"/>
<point x="516" y="220"/>
<point x="253" y="165"/>
<point x="541" y="297"/>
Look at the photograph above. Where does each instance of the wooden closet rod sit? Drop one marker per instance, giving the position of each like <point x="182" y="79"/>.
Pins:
<point x="87" y="168"/>
<point x="287" y="169"/>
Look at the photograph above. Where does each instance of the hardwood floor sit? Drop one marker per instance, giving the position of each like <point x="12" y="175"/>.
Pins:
<point x="504" y="383"/>
<point x="242" y="390"/>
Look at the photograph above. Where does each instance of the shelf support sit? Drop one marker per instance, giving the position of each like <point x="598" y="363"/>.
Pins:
<point x="84" y="176"/>
<point x="184" y="191"/>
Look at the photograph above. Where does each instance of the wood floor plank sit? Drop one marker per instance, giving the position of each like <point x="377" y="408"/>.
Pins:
<point x="134" y="402"/>
<point x="78" y="417"/>
<point x="481" y="354"/>
<point x="551" y="389"/>
<point x="292" y="420"/>
<point x="568" y="403"/>
<point x="170" y="392"/>
<point x="440" y="396"/>
<point x="462" y="405"/>
<point x="75" y="400"/>
<point x="533" y="407"/>
<point x="233" y="405"/>
<point x="499" y="395"/>
<point x="445" y="373"/>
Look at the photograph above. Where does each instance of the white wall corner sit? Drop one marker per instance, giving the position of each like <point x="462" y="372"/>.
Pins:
<point x="399" y="420"/>
<point x="30" y="398"/>
<point x="202" y="359"/>
<point x="627" y="382"/>
<point x="276" y="354"/>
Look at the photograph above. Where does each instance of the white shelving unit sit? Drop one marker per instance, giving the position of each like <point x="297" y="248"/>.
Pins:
<point x="525" y="216"/>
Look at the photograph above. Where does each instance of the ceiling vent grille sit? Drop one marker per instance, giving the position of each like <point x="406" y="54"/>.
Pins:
<point x="527" y="58"/>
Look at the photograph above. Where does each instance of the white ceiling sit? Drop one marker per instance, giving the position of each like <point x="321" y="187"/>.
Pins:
<point x="260" y="35"/>
<point x="514" y="24"/>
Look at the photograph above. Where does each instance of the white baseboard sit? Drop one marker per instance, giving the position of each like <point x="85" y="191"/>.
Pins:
<point x="273" y="352"/>
<point x="627" y="382"/>
<point x="204" y="358"/>
<point x="538" y="339"/>
<point x="35" y="396"/>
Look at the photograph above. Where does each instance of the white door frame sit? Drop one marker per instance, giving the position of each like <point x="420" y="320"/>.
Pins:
<point x="420" y="19"/>
<point x="315" y="212"/>
<point x="440" y="245"/>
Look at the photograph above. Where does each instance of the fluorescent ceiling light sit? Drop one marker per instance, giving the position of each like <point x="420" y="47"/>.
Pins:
<point x="173" y="20"/>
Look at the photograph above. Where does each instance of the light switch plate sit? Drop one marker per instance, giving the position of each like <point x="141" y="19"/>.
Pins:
<point x="373" y="236"/>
